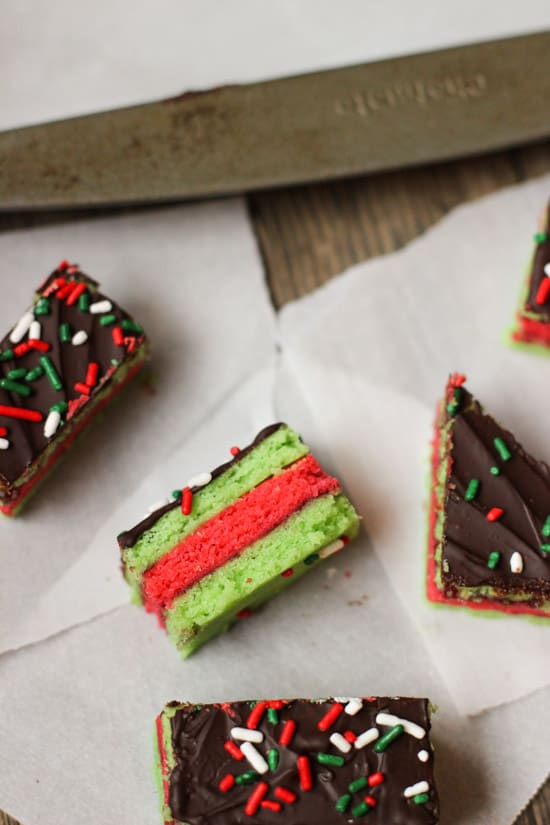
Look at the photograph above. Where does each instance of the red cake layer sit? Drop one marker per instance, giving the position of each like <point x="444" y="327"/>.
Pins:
<point x="530" y="331"/>
<point x="432" y="591"/>
<point x="228" y="533"/>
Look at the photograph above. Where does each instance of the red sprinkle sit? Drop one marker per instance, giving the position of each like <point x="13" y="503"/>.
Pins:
<point x="234" y="451"/>
<point x="495" y="512"/>
<point x="118" y="336"/>
<point x="20" y="412"/>
<point x="375" y="779"/>
<point x="370" y="800"/>
<point x="38" y="344"/>
<point x="350" y="736"/>
<point x="287" y="573"/>
<point x="344" y="539"/>
<point x="72" y="268"/>
<point x="75" y="294"/>
<point x="271" y="806"/>
<point x="255" y="715"/>
<point x="62" y="265"/>
<point x="227" y="783"/>
<point x="83" y="389"/>
<point x="3" y="431"/>
<point x="21" y="349"/>
<point x="276" y="704"/>
<point x="457" y="379"/>
<point x="92" y="373"/>
<point x="186" y="500"/>
<point x="57" y="283"/>
<point x="64" y="290"/>
<point x="543" y="291"/>
<point x="245" y="613"/>
<point x="287" y="732"/>
<point x="130" y="343"/>
<point x="304" y="772"/>
<point x="255" y="798"/>
<point x="284" y="794"/>
<point x="331" y="716"/>
<point x="233" y="750"/>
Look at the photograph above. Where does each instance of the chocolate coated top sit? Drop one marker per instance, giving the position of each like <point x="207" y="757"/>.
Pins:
<point x="540" y="259"/>
<point x="198" y="740"/>
<point x="522" y="490"/>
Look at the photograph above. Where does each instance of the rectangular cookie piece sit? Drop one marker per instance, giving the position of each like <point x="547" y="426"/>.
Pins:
<point x="312" y="761"/>
<point x="61" y="363"/>
<point x="235" y="537"/>
<point x="489" y="537"/>
<point x="532" y="324"/>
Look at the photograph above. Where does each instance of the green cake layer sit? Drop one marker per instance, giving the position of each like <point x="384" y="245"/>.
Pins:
<point x="211" y="606"/>
<point x="270" y="456"/>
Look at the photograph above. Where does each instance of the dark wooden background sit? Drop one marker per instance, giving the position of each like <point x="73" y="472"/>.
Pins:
<point x="308" y="234"/>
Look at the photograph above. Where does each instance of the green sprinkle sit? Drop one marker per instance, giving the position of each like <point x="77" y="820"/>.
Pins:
<point x="15" y="386"/>
<point x="495" y="471"/>
<point x="114" y="362"/>
<point x="471" y="489"/>
<point x="493" y="559"/>
<point x="65" y="334"/>
<point x="6" y="355"/>
<point x="61" y="407"/>
<point x="546" y="528"/>
<point x="358" y="784"/>
<point x="272" y="716"/>
<point x="130" y="326"/>
<point x="20" y="372"/>
<point x="361" y="809"/>
<point x="389" y="737"/>
<point x="545" y="548"/>
<point x="343" y="803"/>
<point x="421" y="798"/>
<point x="452" y="408"/>
<point x="540" y="237"/>
<point x="311" y="559"/>
<point x="51" y="372"/>
<point x="36" y="372"/>
<point x="84" y="302"/>
<point x="273" y="759"/>
<point x="42" y="307"/>
<point x="246" y="778"/>
<point x="176" y="495"/>
<point x="503" y="450"/>
<point x="330" y="759"/>
<point x="105" y="320"/>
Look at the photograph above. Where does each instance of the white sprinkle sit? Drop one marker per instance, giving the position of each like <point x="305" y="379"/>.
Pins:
<point x="158" y="504"/>
<point x="423" y="755"/>
<point x="100" y="307"/>
<point x="410" y="727"/>
<point x="35" y="330"/>
<point x="52" y="423"/>
<point x="353" y="707"/>
<point x="342" y="699"/>
<point x="412" y="790"/>
<point x="254" y="757"/>
<point x="516" y="562"/>
<point x="21" y="328"/>
<point x="365" y="738"/>
<point x="200" y="480"/>
<point x="339" y="742"/>
<point x="246" y="735"/>
<point x="547" y="269"/>
<point x="4" y="443"/>
<point x="79" y="338"/>
<point x="332" y="548"/>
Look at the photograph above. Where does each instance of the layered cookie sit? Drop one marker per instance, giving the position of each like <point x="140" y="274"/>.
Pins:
<point x="489" y="537"/>
<point x="313" y="762"/>
<point x="532" y="326"/>
<point x="234" y="537"/>
<point x="62" y="362"/>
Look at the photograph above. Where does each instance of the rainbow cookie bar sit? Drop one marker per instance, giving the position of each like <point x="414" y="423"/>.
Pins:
<point x="235" y="537"/>
<point x="313" y="762"/>
<point x="532" y="325"/>
<point x="489" y="536"/>
<point x="61" y="363"/>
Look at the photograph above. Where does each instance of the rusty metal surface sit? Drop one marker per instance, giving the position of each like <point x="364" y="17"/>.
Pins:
<point x="341" y="122"/>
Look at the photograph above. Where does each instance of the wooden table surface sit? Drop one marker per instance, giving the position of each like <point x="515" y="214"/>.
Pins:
<point x="308" y="234"/>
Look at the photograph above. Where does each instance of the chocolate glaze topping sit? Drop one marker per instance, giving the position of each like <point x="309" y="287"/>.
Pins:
<point x="198" y="737"/>
<point x="27" y="439"/>
<point x="540" y="259"/>
<point x="129" y="537"/>
<point x="522" y="490"/>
